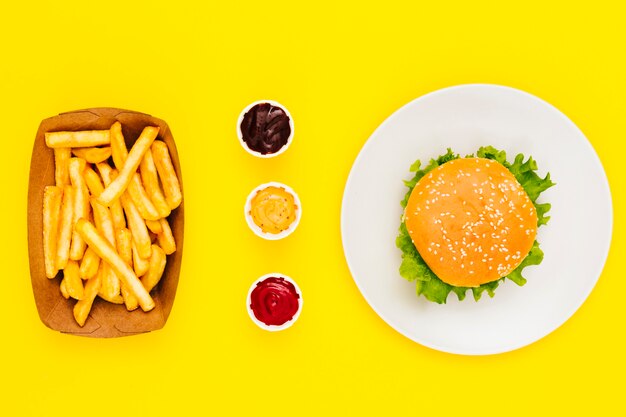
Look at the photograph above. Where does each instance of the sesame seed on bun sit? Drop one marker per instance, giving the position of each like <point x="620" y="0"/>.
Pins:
<point x="471" y="221"/>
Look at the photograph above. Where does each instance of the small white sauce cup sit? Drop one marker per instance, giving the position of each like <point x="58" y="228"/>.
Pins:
<point x="272" y="328"/>
<point x="240" y="134"/>
<point x="256" y="229"/>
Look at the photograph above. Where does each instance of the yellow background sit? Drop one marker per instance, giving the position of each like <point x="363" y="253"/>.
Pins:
<point x="341" y="70"/>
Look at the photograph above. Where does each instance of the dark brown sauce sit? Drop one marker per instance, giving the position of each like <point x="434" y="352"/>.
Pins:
<point x="265" y="128"/>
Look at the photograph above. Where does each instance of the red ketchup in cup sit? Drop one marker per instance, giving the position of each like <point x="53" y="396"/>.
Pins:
<point x="274" y="302"/>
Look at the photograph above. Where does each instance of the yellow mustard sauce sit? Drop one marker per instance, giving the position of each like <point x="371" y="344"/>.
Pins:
<point x="273" y="209"/>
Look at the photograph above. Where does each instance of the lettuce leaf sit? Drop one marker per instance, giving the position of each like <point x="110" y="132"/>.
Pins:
<point x="413" y="267"/>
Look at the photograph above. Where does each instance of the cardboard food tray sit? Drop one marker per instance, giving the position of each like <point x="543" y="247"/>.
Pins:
<point x="105" y="319"/>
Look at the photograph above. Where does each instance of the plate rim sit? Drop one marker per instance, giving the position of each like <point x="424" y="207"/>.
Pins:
<point x="577" y="305"/>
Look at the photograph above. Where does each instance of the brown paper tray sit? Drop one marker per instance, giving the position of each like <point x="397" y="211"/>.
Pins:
<point x="105" y="319"/>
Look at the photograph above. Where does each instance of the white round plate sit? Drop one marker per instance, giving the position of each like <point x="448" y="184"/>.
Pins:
<point x="575" y="241"/>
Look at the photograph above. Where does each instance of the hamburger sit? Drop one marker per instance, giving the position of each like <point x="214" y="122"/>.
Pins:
<point x="470" y="223"/>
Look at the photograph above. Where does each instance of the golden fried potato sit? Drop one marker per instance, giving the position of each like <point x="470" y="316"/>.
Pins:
<point x="52" y="197"/>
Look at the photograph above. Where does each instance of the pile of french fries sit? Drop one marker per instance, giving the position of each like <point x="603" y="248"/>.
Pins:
<point x="106" y="226"/>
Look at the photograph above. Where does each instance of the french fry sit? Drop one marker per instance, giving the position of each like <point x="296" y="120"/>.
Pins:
<point x="108" y="174"/>
<point x="141" y="199"/>
<point x="103" y="220"/>
<point x="81" y="139"/>
<point x="105" y="171"/>
<point x="119" y="152"/>
<point x="130" y="301"/>
<point x="124" y="240"/>
<point x="93" y="155"/>
<point x="83" y="307"/>
<point x="73" y="283"/>
<point x="154" y="226"/>
<point x="93" y="181"/>
<point x="140" y="264"/>
<point x="110" y="286"/>
<point x="81" y="204"/>
<point x="114" y="190"/>
<point x="52" y="196"/>
<point x="63" y="289"/>
<point x="137" y="227"/>
<point x="64" y="238"/>
<point x="157" y="266"/>
<point x="107" y="253"/>
<point x="135" y="187"/>
<point x="150" y="179"/>
<point x="118" y="299"/>
<point x="61" y="171"/>
<point x="166" y="239"/>
<point x="171" y="185"/>
<point x="89" y="265"/>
